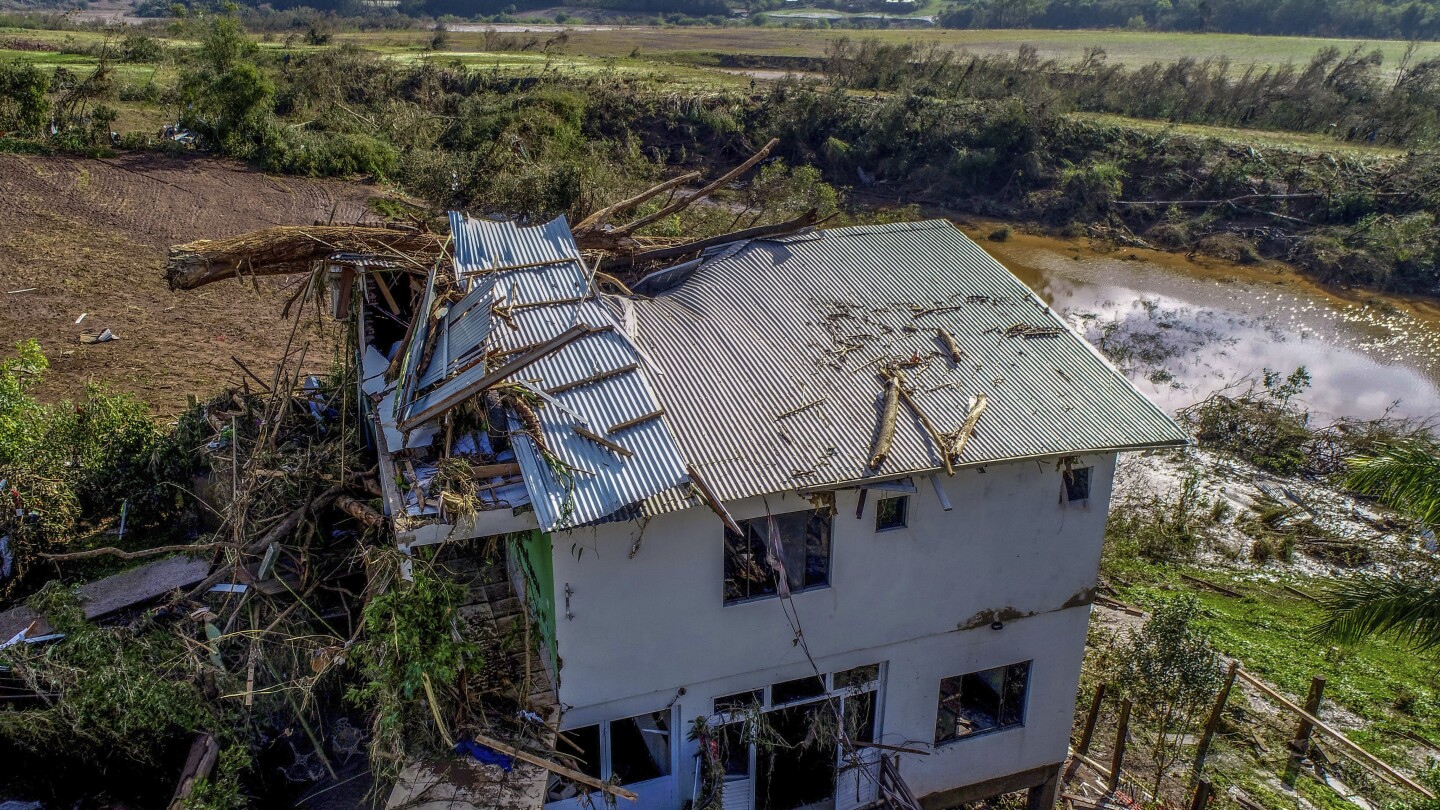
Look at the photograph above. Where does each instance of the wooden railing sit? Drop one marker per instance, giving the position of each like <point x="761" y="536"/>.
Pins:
<point x="894" y="792"/>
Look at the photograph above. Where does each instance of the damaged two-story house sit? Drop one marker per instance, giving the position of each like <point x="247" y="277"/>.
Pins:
<point x="811" y="521"/>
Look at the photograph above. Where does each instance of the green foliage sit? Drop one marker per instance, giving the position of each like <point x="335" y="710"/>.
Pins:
<point x="23" y="106"/>
<point x="81" y="461"/>
<point x="1155" y="529"/>
<point x="221" y="790"/>
<point x="1169" y="669"/>
<point x="227" y="99"/>
<point x="411" y="641"/>
<point x="1405" y="607"/>
<point x="1262" y="425"/>
<point x="117" y="688"/>
<point x="1404" y="476"/>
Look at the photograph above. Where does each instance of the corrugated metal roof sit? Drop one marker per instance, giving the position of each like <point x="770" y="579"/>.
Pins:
<point x="544" y="292"/>
<point x="766" y="359"/>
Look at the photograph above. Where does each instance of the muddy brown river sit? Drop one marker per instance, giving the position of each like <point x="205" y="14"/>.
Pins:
<point x="1182" y="329"/>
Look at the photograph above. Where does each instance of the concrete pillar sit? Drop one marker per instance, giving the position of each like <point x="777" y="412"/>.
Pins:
<point x="1042" y="796"/>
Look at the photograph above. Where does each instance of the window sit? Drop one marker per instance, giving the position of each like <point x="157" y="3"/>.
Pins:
<point x="752" y="571"/>
<point x="890" y="513"/>
<point x="858" y="677"/>
<point x="800" y="689"/>
<point x="585" y="748"/>
<point x="740" y="700"/>
<point x="989" y="700"/>
<point x="640" y="747"/>
<point x="1077" y="484"/>
<point x="631" y="750"/>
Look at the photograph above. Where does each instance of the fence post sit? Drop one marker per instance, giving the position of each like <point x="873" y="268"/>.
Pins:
<point x="1213" y="722"/>
<point x="1301" y="743"/>
<point x="1091" y="719"/>
<point x="1201" y="799"/>
<point x="1118" y="759"/>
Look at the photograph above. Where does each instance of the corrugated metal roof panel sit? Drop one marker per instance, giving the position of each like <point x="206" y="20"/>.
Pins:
<point x="544" y="292"/>
<point x="767" y="359"/>
<point x="482" y="245"/>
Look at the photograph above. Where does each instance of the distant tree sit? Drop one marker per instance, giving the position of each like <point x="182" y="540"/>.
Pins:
<point x="23" y="106"/>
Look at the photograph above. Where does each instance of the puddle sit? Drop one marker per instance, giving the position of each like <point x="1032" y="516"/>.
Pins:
<point x="1183" y="329"/>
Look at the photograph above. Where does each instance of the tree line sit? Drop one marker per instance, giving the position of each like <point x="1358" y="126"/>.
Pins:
<point x="1385" y="19"/>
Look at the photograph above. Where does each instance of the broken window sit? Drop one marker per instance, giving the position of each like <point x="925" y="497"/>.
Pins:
<point x="1077" y="484"/>
<point x="585" y="749"/>
<point x="739" y="701"/>
<point x="891" y="513"/>
<point x="631" y="750"/>
<point x="799" y="689"/>
<point x="858" y="677"/>
<point x="754" y="570"/>
<point x="988" y="700"/>
<point x="640" y="747"/>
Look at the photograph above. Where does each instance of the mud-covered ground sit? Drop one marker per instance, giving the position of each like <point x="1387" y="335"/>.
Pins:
<point x="89" y="237"/>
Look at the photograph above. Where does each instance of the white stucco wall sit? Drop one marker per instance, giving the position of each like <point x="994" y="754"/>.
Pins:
<point x="641" y="629"/>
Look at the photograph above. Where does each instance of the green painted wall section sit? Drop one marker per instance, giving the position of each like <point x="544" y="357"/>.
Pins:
<point x="534" y="551"/>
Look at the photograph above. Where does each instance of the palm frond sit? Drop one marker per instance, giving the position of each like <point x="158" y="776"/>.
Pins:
<point x="1404" y="477"/>
<point x="1407" y="610"/>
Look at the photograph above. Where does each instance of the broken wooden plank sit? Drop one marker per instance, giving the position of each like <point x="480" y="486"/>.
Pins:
<point x="601" y="440"/>
<point x="494" y="470"/>
<point x="1299" y="593"/>
<point x="125" y="589"/>
<point x="592" y="379"/>
<point x="204" y="753"/>
<point x="1212" y="586"/>
<point x="553" y="767"/>
<point x="637" y="421"/>
<point x="711" y="499"/>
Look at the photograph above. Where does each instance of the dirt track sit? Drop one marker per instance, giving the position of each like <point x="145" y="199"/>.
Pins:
<point x="90" y="236"/>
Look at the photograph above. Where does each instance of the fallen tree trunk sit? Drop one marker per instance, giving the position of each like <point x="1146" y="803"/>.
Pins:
<point x="289" y="249"/>
<point x="660" y="254"/>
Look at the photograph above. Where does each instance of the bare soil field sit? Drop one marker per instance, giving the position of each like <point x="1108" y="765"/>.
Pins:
<point x="83" y="236"/>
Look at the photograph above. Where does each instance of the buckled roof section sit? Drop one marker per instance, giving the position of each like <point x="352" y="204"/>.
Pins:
<point x="606" y="441"/>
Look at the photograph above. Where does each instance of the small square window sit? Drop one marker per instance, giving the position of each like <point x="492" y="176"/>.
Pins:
<point x="989" y="700"/>
<point x="891" y="513"/>
<point x="1077" y="484"/>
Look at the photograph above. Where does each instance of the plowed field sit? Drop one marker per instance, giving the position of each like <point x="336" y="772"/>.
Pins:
<point x="81" y="236"/>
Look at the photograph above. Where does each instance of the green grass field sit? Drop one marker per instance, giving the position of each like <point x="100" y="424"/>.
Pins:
<point x="1126" y="47"/>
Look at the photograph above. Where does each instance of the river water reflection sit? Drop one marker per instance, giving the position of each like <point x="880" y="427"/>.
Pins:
<point x="1183" y="329"/>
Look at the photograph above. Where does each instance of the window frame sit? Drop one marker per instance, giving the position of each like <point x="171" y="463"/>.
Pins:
<point x="904" y="499"/>
<point x="1023" y="712"/>
<point x="607" y="764"/>
<point x="874" y="687"/>
<point x="745" y="525"/>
